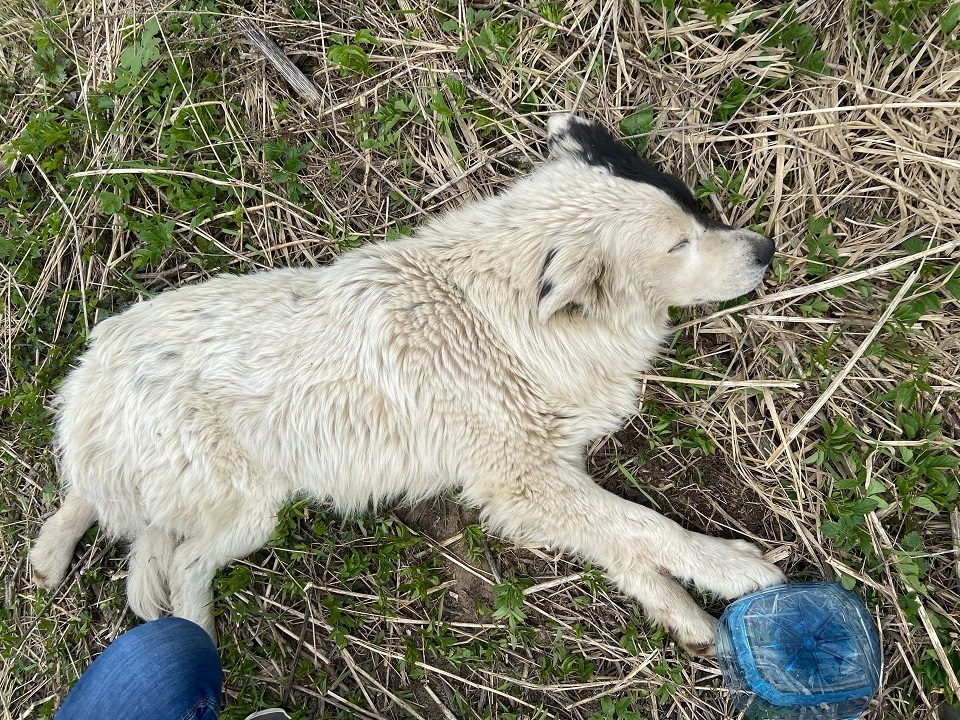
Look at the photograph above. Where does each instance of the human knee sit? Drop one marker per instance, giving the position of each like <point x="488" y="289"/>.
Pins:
<point x="161" y="669"/>
<point x="181" y="647"/>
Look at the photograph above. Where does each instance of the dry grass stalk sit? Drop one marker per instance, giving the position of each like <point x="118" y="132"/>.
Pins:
<point x="870" y="144"/>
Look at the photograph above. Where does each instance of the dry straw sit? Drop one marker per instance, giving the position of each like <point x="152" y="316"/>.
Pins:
<point x="871" y="144"/>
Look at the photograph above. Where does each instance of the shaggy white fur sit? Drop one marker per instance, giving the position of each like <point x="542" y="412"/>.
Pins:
<point x="483" y="354"/>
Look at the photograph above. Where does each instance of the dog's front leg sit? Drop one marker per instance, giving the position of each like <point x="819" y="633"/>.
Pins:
<point x="640" y="549"/>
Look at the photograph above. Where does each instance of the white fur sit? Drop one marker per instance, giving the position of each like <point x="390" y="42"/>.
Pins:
<point x="404" y="369"/>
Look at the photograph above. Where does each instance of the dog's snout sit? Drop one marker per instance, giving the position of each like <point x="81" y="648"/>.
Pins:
<point x="763" y="250"/>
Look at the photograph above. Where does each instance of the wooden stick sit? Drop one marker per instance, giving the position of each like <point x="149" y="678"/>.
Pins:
<point x="281" y="62"/>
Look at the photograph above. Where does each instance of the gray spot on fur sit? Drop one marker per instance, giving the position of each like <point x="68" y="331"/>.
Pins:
<point x="143" y="379"/>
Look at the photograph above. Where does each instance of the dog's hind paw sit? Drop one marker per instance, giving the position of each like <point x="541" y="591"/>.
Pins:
<point x="731" y="568"/>
<point x="48" y="569"/>
<point x="52" y="551"/>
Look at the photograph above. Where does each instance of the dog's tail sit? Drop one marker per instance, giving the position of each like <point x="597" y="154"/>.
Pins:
<point x="150" y="559"/>
<point x="52" y="551"/>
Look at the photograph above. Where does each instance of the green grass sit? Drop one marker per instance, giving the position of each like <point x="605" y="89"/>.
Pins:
<point x="151" y="150"/>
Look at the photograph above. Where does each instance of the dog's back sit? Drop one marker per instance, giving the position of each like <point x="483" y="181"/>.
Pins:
<point x="269" y="384"/>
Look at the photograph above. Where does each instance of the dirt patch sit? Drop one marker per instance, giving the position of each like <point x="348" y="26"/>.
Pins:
<point x="701" y="492"/>
<point x="442" y="521"/>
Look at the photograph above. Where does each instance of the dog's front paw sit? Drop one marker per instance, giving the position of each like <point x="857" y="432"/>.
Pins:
<point x="731" y="568"/>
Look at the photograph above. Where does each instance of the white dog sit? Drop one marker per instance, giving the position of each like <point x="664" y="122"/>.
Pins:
<point x="483" y="354"/>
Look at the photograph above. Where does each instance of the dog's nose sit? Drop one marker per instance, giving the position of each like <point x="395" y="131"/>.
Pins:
<point x="763" y="251"/>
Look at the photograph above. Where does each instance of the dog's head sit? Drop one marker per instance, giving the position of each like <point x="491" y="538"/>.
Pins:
<point x="632" y="231"/>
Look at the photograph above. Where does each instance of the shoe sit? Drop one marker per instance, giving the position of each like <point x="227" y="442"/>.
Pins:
<point x="269" y="714"/>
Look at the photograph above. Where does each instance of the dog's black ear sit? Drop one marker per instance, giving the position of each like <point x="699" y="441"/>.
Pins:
<point x="571" y="281"/>
<point x="567" y="134"/>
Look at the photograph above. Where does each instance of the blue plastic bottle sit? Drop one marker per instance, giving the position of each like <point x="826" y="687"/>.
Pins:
<point x="807" y="651"/>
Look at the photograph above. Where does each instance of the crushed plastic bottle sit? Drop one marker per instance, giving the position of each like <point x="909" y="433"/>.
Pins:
<point x="806" y="651"/>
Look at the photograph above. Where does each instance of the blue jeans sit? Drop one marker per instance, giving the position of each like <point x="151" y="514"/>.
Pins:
<point x="167" y="669"/>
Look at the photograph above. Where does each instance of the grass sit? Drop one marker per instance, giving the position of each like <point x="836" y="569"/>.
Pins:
<point x="150" y="147"/>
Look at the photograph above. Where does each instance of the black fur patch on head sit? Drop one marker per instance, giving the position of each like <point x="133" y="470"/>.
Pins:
<point x="551" y="254"/>
<point x="598" y="147"/>
<point x="546" y="287"/>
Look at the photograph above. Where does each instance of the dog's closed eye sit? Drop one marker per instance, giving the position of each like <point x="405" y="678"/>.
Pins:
<point x="679" y="246"/>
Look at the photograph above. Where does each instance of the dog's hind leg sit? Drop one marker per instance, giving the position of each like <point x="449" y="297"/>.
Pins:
<point x="53" y="549"/>
<point x="150" y="559"/>
<point x="197" y="559"/>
